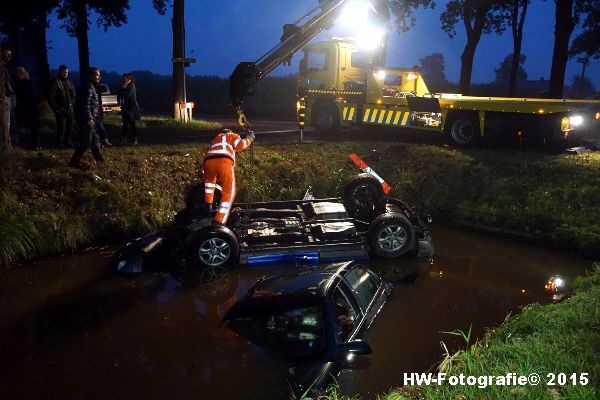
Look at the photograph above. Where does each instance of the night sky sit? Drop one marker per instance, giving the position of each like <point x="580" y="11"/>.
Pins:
<point x="219" y="34"/>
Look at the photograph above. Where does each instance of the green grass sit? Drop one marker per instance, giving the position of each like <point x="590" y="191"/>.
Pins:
<point x="50" y="208"/>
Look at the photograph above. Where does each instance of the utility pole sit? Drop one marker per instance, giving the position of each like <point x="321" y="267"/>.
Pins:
<point x="178" y="26"/>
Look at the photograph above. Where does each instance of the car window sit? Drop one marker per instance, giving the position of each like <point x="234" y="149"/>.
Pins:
<point x="346" y="317"/>
<point x="363" y="284"/>
<point x="294" y="332"/>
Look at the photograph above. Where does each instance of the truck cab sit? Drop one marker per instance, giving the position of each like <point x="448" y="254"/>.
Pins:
<point x="335" y="64"/>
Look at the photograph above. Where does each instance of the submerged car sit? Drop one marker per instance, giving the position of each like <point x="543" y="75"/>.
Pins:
<point x="313" y="317"/>
<point x="362" y="222"/>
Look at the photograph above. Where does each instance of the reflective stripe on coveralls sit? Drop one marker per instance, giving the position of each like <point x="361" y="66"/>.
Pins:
<point x="227" y="144"/>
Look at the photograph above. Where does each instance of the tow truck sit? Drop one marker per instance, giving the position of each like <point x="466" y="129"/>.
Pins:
<point x="341" y="87"/>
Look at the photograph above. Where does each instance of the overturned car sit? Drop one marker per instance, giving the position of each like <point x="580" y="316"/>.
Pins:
<point x="361" y="222"/>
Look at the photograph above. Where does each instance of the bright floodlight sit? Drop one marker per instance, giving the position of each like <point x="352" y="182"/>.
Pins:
<point x="576" y="120"/>
<point x="370" y="38"/>
<point x="355" y="13"/>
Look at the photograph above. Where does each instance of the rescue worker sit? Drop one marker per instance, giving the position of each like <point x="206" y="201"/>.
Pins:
<point x="218" y="165"/>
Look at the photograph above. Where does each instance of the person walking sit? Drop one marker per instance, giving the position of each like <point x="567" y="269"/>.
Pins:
<point x="62" y="102"/>
<point x="87" y="111"/>
<point x="130" y="110"/>
<point x="100" y="128"/>
<point x="27" y="105"/>
<point x="10" y="95"/>
<point x="218" y="165"/>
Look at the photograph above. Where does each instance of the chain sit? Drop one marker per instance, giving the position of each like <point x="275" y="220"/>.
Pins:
<point x="246" y="126"/>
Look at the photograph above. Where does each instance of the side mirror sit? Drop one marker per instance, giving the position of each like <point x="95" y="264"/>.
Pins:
<point x="356" y="347"/>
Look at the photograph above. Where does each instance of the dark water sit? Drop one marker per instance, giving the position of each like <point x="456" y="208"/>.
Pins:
<point x="71" y="329"/>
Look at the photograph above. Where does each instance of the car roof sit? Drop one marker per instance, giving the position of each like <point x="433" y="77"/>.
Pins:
<point x="298" y="288"/>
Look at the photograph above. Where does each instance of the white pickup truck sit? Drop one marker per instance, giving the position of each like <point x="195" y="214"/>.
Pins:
<point x="110" y="103"/>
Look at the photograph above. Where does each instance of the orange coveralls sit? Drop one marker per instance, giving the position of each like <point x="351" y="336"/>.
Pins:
<point x="218" y="165"/>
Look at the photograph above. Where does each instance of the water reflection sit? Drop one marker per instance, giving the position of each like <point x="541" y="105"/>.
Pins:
<point x="71" y="329"/>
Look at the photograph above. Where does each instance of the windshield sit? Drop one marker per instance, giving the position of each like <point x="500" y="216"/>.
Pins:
<point x="316" y="60"/>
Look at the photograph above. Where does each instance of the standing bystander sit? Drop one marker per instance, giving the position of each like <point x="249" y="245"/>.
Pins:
<point x="10" y="98"/>
<point x="130" y="111"/>
<point x="62" y="101"/>
<point x="87" y="111"/>
<point x="27" y="106"/>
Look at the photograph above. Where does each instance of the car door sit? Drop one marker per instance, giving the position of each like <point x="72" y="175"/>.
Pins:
<point x="368" y="290"/>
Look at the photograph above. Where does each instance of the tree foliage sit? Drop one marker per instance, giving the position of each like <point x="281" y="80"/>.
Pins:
<point x="432" y="68"/>
<point x="504" y="70"/>
<point x="110" y="13"/>
<point x="403" y="12"/>
<point x="588" y="41"/>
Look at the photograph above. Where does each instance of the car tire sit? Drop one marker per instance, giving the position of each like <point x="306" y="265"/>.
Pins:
<point x="213" y="246"/>
<point x="391" y="235"/>
<point x="362" y="196"/>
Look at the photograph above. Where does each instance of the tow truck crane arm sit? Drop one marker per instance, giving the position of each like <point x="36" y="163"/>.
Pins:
<point x="295" y="36"/>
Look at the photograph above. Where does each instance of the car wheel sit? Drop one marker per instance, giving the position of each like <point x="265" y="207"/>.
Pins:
<point x="214" y="246"/>
<point x="326" y="117"/>
<point x="391" y="235"/>
<point x="464" y="131"/>
<point x="362" y="196"/>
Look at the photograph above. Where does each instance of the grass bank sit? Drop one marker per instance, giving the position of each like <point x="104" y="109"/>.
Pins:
<point x="48" y="208"/>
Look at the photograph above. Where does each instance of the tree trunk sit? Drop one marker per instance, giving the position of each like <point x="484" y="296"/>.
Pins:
<point x="81" y="32"/>
<point x="466" y="66"/>
<point x="5" y="142"/>
<point x="562" y="33"/>
<point x="517" y="41"/>
<point x="178" y="27"/>
<point x="41" y="50"/>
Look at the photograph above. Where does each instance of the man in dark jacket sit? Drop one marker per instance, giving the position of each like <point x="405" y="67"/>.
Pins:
<point x="62" y="102"/>
<point x="10" y="94"/>
<point x="130" y="110"/>
<point x="87" y="111"/>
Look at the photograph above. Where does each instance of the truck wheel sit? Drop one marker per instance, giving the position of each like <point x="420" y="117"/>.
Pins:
<point x="464" y="131"/>
<point x="326" y="117"/>
<point x="362" y="196"/>
<point x="213" y="246"/>
<point x="391" y="235"/>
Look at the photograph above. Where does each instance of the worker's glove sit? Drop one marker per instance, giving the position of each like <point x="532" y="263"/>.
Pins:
<point x="250" y="135"/>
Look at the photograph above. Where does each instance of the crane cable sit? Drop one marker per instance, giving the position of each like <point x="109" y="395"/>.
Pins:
<point x="243" y="122"/>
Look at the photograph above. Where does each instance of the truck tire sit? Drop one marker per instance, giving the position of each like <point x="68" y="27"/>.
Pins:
<point x="391" y="235"/>
<point x="213" y="246"/>
<point x="362" y="197"/>
<point x="464" y="131"/>
<point x="326" y="117"/>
